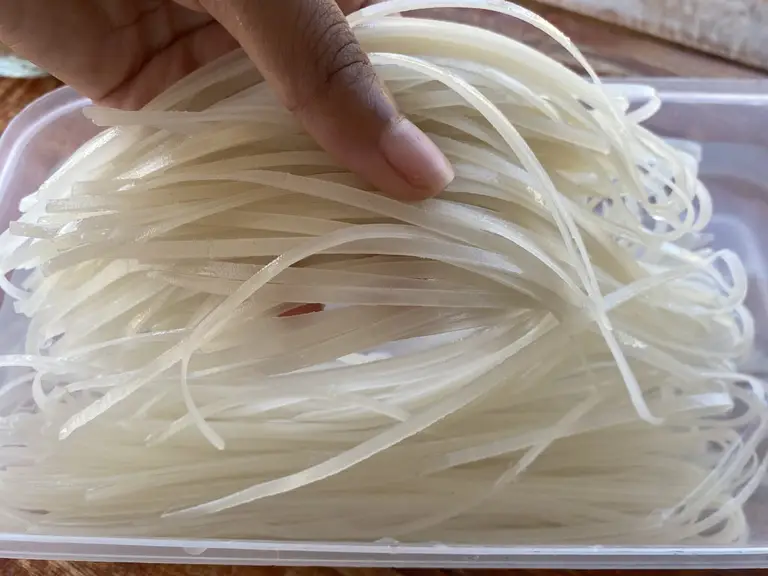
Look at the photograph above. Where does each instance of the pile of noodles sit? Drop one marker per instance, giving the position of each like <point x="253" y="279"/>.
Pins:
<point x="546" y="353"/>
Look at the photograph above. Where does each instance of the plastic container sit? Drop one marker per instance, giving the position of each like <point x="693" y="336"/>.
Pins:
<point x="729" y="119"/>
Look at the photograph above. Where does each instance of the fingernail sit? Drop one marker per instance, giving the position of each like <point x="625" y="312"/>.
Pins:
<point x="416" y="158"/>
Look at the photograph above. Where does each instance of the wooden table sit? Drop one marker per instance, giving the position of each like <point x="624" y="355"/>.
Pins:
<point x="612" y="50"/>
<point x="31" y="568"/>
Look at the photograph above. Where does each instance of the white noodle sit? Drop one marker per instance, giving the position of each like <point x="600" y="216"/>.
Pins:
<point x="547" y="353"/>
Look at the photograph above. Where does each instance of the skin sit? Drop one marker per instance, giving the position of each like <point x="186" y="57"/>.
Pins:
<point x="122" y="53"/>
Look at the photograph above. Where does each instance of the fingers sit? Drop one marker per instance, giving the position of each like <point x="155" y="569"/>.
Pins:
<point x="349" y="6"/>
<point x="309" y="55"/>
<point x="189" y="52"/>
<point x="122" y="54"/>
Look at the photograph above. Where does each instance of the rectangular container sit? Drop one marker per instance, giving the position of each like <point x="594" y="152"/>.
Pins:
<point x="728" y="118"/>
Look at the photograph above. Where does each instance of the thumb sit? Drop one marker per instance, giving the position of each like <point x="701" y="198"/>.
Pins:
<point x="309" y="55"/>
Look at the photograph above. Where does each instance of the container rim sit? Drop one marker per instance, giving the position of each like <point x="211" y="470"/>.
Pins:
<point x="354" y="554"/>
<point x="23" y="128"/>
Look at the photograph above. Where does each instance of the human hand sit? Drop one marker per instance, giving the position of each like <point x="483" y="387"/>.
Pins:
<point x="124" y="52"/>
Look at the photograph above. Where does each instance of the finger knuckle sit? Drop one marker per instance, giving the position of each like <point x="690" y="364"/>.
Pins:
<point x="337" y="63"/>
<point x="348" y="6"/>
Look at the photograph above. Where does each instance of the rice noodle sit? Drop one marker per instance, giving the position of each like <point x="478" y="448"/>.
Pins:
<point x="547" y="353"/>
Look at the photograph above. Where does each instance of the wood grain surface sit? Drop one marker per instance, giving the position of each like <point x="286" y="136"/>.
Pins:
<point x="35" y="568"/>
<point x="736" y="29"/>
<point x="611" y="49"/>
<point x="15" y="94"/>
<point x="614" y="51"/>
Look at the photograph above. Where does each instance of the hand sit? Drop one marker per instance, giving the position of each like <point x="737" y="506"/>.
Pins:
<point x="124" y="52"/>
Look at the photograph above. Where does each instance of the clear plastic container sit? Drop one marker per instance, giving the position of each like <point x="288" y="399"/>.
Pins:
<point x="729" y="119"/>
